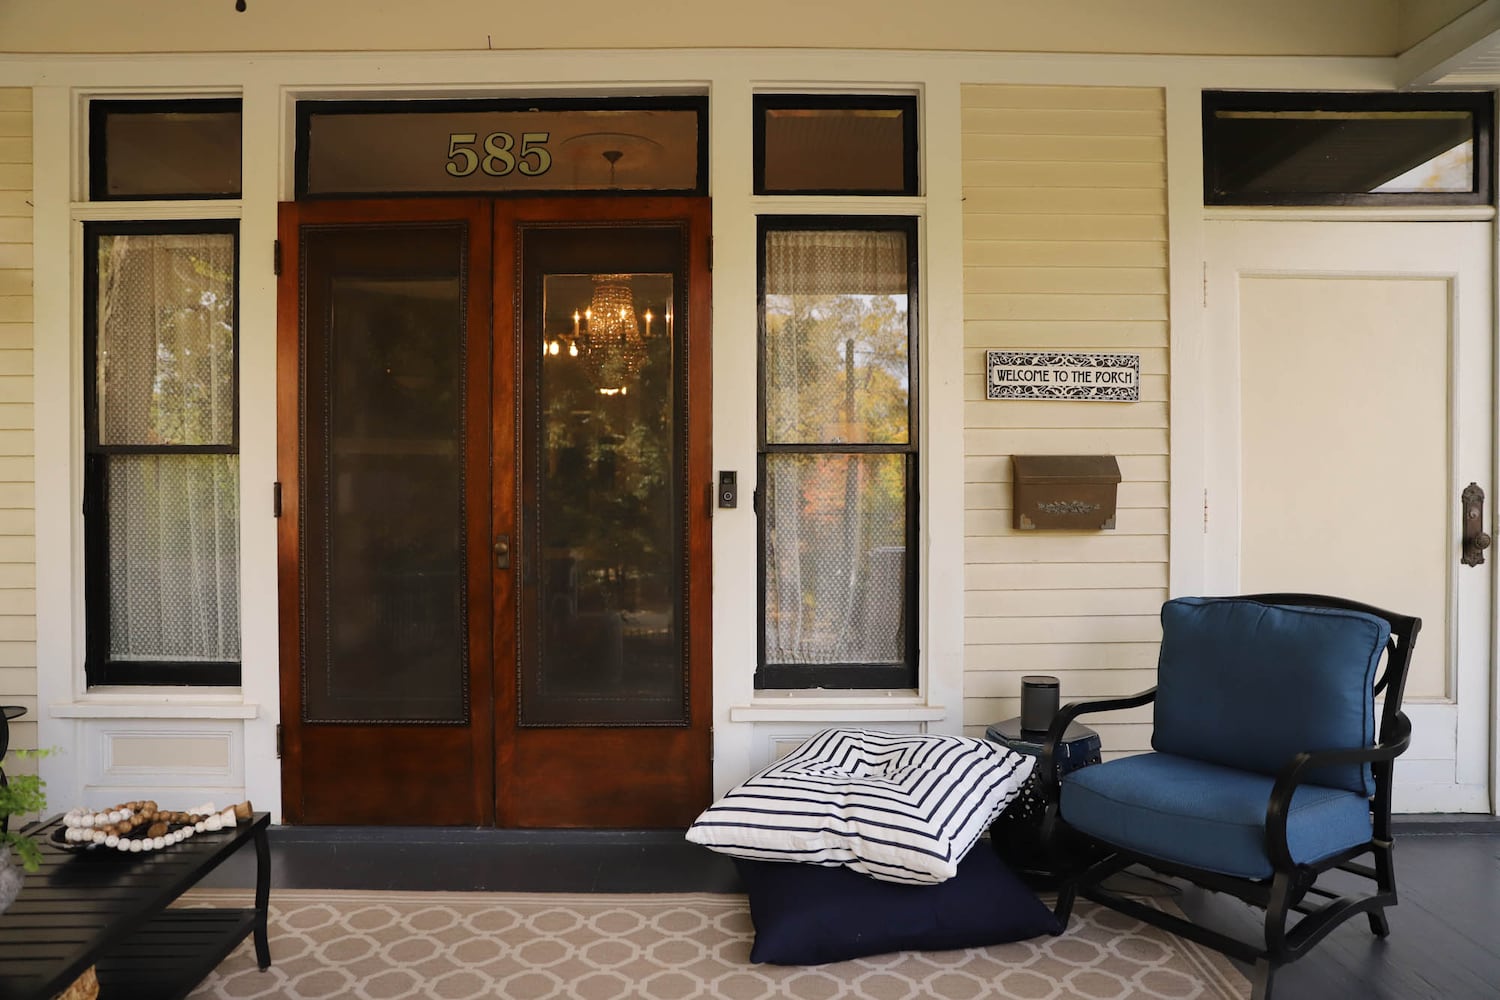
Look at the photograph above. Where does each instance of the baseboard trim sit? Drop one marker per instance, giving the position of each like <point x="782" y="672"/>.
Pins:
<point x="1446" y="824"/>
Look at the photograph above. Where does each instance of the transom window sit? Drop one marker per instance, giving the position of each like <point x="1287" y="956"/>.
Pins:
<point x="1347" y="149"/>
<point x="644" y="145"/>
<point x="164" y="149"/>
<point x="835" y="144"/>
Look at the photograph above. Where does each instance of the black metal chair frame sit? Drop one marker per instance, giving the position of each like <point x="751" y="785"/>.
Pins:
<point x="7" y="712"/>
<point x="1286" y="891"/>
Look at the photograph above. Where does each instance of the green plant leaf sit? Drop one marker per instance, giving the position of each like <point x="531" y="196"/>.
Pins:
<point x="23" y="793"/>
<point x="26" y="848"/>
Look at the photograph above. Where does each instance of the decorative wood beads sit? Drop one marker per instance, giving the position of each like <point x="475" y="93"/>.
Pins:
<point x="133" y="827"/>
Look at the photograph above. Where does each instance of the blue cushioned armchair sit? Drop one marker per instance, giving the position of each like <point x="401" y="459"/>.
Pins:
<point x="1266" y="769"/>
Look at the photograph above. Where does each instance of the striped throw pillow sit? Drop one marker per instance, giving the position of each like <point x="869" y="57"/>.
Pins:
<point x="898" y="807"/>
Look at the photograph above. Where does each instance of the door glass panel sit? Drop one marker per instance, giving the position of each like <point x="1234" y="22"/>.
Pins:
<point x="607" y="513"/>
<point x="383" y="535"/>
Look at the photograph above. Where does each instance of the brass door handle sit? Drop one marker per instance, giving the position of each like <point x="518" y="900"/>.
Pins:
<point x="1476" y="539"/>
<point x="502" y="552"/>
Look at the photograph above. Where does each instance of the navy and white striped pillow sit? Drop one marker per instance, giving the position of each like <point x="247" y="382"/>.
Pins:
<point x="898" y="807"/>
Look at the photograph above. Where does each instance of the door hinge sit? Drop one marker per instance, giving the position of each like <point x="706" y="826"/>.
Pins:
<point x="1205" y="284"/>
<point x="1205" y="511"/>
<point x="755" y="501"/>
<point x="711" y="745"/>
<point x="710" y="253"/>
<point x="275" y="499"/>
<point x="278" y="741"/>
<point x="276" y="257"/>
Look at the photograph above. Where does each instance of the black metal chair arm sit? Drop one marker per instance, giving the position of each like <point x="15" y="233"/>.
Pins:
<point x="1047" y="759"/>
<point x="1392" y="746"/>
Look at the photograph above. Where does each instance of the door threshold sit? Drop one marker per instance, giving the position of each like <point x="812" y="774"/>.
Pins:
<point x="479" y="836"/>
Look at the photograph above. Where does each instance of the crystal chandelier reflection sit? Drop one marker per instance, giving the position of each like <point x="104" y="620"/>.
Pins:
<point x="616" y="347"/>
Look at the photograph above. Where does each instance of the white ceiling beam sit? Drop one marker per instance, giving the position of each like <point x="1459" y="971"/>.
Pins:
<point x="1449" y="49"/>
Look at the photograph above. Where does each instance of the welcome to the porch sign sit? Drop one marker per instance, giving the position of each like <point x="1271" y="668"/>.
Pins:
<point x="1114" y="378"/>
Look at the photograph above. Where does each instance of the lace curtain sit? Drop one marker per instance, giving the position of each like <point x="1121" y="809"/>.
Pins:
<point x="166" y="378"/>
<point x="836" y="371"/>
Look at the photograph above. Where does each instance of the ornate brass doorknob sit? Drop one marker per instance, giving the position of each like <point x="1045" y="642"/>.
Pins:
<point x="1476" y="539"/>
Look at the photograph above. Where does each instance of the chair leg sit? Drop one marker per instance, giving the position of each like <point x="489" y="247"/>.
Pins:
<point x="1277" y="907"/>
<point x="1385" y="884"/>
<point x="1260" y="984"/>
<point x="1067" y="892"/>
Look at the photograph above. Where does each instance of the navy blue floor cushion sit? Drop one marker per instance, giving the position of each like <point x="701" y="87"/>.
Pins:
<point x="808" y="914"/>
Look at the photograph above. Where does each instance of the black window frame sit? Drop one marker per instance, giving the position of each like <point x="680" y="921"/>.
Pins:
<point x="852" y="676"/>
<point x="1480" y="104"/>
<point x="98" y="668"/>
<point x="101" y="109"/>
<point x="418" y="106"/>
<point x="907" y="104"/>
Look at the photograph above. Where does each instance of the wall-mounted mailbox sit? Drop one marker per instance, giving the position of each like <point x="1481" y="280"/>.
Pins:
<point x="1065" y="492"/>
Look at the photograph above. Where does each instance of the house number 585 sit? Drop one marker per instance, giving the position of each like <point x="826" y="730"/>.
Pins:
<point x="499" y="155"/>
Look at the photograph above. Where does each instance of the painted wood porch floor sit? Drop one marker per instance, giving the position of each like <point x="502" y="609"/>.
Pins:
<point x="1444" y="942"/>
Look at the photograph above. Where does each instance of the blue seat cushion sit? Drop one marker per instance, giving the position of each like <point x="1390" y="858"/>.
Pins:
<point x="1206" y="815"/>
<point x="1250" y="685"/>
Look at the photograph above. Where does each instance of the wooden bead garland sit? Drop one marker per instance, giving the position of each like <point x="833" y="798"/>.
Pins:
<point x="133" y="827"/>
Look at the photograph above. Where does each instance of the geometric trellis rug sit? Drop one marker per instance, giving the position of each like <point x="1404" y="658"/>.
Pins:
<point x="668" y="946"/>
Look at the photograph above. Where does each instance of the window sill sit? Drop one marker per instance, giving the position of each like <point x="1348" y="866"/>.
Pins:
<point x="837" y="706"/>
<point x="160" y="706"/>
<point x="1348" y="213"/>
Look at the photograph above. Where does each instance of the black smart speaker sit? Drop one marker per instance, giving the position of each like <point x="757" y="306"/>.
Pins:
<point x="1039" y="695"/>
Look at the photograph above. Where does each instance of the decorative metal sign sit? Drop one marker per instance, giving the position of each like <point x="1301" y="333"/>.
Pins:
<point x="1112" y="378"/>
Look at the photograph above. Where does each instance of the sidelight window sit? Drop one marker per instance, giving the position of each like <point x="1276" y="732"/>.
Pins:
<point x="838" y="453"/>
<point x="161" y="512"/>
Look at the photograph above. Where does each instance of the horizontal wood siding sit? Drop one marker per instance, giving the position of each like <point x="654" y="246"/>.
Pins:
<point x="17" y="451"/>
<point x="1065" y="248"/>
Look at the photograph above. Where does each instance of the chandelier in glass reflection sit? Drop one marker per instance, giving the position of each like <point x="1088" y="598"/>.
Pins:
<point x="616" y="346"/>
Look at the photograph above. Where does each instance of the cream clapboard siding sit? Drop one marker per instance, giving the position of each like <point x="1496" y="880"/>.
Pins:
<point x="17" y="504"/>
<point x="1065" y="248"/>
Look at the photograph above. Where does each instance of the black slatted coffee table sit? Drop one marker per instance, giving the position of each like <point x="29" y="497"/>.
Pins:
<point x="110" y="910"/>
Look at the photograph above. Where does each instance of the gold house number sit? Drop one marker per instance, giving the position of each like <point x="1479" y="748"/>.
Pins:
<point x="500" y="154"/>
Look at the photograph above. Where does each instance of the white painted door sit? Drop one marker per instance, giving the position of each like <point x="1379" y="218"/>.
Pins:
<point x="1349" y="403"/>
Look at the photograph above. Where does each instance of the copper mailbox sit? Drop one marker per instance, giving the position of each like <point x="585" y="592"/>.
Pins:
<point x="1065" y="492"/>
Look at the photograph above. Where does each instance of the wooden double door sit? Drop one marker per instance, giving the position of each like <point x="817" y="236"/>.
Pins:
<point x="493" y="447"/>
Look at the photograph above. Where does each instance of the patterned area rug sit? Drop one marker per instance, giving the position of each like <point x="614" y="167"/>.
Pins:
<point x="457" y="945"/>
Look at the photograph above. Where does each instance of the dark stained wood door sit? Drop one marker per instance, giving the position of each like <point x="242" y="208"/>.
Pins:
<point x="494" y="542"/>
<point x="603" y="308"/>
<point x="383" y="412"/>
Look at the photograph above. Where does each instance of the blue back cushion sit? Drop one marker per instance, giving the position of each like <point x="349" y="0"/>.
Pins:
<point x="1249" y="685"/>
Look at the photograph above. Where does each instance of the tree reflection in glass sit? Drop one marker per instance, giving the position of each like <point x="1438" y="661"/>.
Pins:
<point x="607" y="528"/>
<point x="837" y="382"/>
